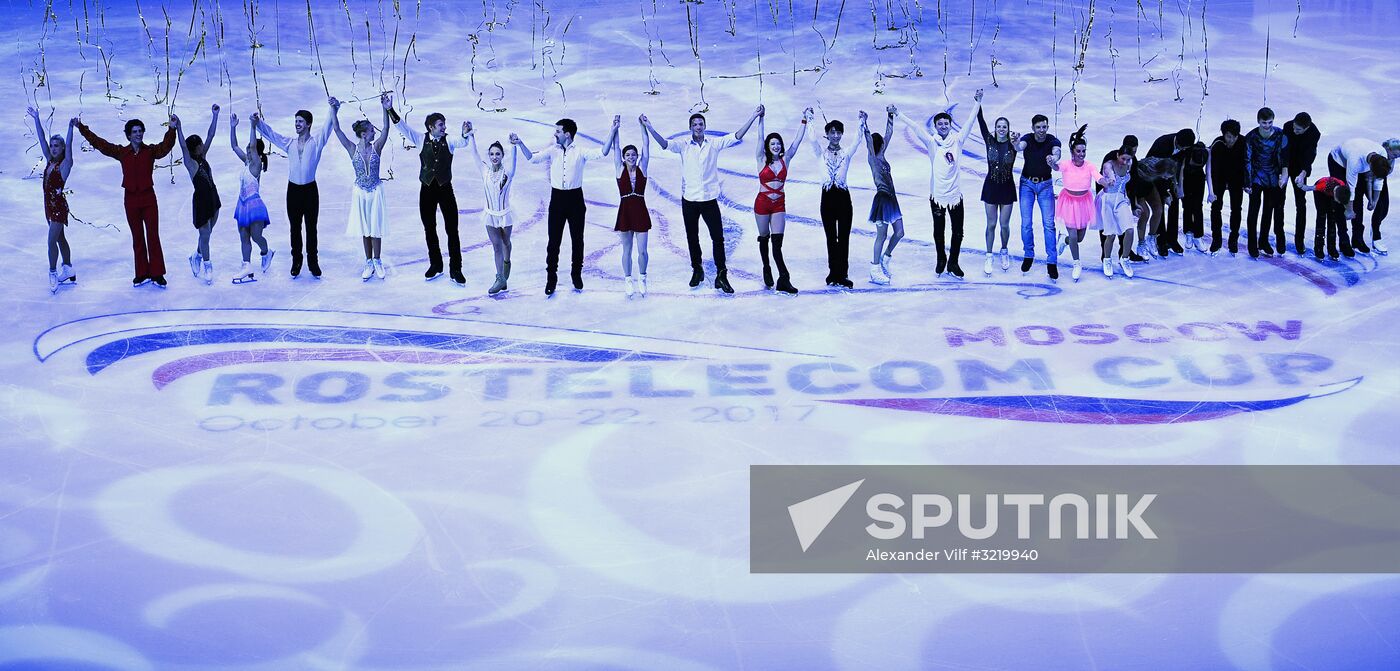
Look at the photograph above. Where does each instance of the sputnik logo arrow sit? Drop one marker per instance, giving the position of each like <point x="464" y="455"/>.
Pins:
<point x="811" y="517"/>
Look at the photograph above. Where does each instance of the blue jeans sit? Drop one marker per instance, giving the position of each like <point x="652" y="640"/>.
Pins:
<point x="1043" y="193"/>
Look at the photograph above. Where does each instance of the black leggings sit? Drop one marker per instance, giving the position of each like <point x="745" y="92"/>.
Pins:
<point x="948" y="257"/>
<point x="1331" y="226"/>
<point x="1271" y="198"/>
<point x="692" y="212"/>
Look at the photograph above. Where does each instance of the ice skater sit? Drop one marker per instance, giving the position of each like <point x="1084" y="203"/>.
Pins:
<point x="1365" y="166"/>
<point x="1075" y="205"/>
<point x="998" y="189"/>
<point x="566" y="205"/>
<point x="884" y="208"/>
<point x="835" y="206"/>
<point x="699" y="156"/>
<point x="1165" y="230"/>
<point x="58" y="162"/>
<point x="1303" y="137"/>
<point x="770" y="206"/>
<point x="138" y="161"/>
<point x="303" y="197"/>
<point x="251" y="212"/>
<point x="1039" y="151"/>
<point x="1266" y="156"/>
<point x="369" y="213"/>
<point x="435" y="152"/>
<point x="205" y="203"/>
<point x="497" y="178"/>
<point x="1226" y="174"/>
<point x="633" y="220"/>
<point x="1114" y="215"/>
<point x="945" y="194"/>
<point x="1331" y="200"/>
<point x="1193" y="195"/>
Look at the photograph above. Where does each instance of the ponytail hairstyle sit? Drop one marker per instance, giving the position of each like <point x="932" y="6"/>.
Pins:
<point x="876" y="141"/>
<point x="1077" y="138"/>
<point x="262" y="153"/>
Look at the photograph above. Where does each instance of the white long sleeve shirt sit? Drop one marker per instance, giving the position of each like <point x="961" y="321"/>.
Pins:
<point x="302" y="157"/>
<point x="700" y="165"/>
<point x="1352" y="155"/>
<point x="835" y="164"/>
<point x="944" y="159"/>
<point x="566" y="164"/>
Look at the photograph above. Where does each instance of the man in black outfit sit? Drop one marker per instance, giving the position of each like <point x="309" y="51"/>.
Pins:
<point x="1226" y="174"/>
<point x="435" y="188"/>
<point x="1172" y="146"/>
<point x="1302" y="151"/>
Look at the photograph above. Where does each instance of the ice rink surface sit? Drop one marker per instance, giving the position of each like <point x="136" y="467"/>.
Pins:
<point x="303" y="474"/>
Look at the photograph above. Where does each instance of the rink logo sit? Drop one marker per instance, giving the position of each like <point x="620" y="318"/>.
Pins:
<point x="437" y="359"/>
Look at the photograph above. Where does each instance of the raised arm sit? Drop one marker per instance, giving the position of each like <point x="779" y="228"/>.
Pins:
<point x="43" y="139"/>
<point x="987" y="136"/>
<point x="98" y="142"/>
<point x="510" y="169"/>
<point x="518" y="143"/>
<point x="233" y="138"/>
<point x="976" y="113"/>
<point x="471" y="144"/>
<point x="407" y="131"/>
<point x="340" y="134"/>
<point x="919" y="132"/>
<point x="612" y="139"/>
<point x="801" y="133"/>
<point x="167" y="143"/>
<point x="185" y="156"/>
<point x="213" y="129"/>
<point x="757" y="112"/>
<point x="383" y="138"/>
<point x="645" y="159"/>
<point x="68" y="152"/>
<point x="889" y="134"/>
<point x="617" y="157"/>
<point x="651" y="130"/>
<point x="272" y="136"/>
<point x="759" y="155"/>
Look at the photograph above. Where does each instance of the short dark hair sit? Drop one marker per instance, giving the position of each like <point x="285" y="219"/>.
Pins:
<point x="132" y="125"/>
<point x="568" y="125"/>
<point x="1039" y="118"/>
<point x="1341" y="192"/>
<point x="432" y="119"/>
<point x="1129" y="141"/>
<point x="1230" y="127"/>
<point x="834" y="125"/>
<point x="192" y="143"/>
<point x="693" y="117"/>
<point x="1197" y="155"/>
<point x="943" y="115"/>
<point x="305" y="115"/>
<point x="1265" y="114"/>
<point x="1380" y="166"/>
<point x="876" y="141"/>
<point x="1302" y="119"/>
<point x="1185" y="137"/>
<point x="631" y="147"/>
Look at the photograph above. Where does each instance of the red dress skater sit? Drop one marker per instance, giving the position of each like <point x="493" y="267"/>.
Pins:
<point x="55" y="203"/>
<point x="632" y="215"/>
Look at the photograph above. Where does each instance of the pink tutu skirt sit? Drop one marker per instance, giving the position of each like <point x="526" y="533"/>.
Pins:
<point x="1075" y="212"/>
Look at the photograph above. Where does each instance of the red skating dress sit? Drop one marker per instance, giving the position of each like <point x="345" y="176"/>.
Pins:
<point x="632" y="215"/>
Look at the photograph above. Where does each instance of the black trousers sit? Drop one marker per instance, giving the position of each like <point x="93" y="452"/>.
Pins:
<point x="1269" y="199"/>
<point x="949" y="257"/>
<point x="1193" y="209"/>
<point x="1167" y="237"/>
<point x="1236" y="193"/>
<point x="432" y="198"/>
<point x="565" y="205"/>
<point x="1300" y="206"/>
<point x="303" y="207"/>
<point x="836" y="223"/>
<point x="692" y="212"/>
<point x="1331" y="226"/>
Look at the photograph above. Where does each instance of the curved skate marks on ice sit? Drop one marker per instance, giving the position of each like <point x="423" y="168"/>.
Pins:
<point x="1068" y="409"/>
<point x="271" y="334"/>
